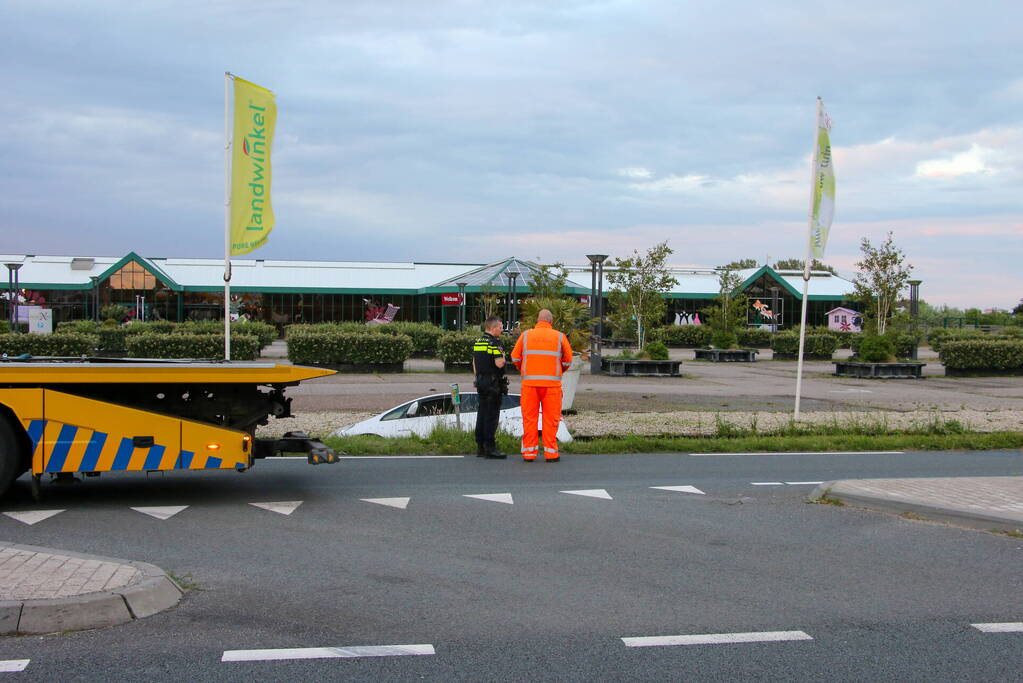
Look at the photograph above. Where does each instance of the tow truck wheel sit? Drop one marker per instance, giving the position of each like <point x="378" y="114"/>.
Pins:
<point x="12" y="460"/>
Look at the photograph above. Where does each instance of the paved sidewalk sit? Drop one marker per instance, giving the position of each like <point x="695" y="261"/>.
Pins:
<point x="990" y="503"/>
<point x="45" y="591"/>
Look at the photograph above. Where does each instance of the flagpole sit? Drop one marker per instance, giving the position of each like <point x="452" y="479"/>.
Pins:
<point x="227" y="215"/>
<point x="806" y="264"/>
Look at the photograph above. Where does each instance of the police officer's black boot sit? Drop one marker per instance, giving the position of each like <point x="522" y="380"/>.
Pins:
<point x="481" y="451"/>
<point x="496" y="454"/>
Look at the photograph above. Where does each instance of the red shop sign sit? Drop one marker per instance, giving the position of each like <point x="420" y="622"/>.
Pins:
<point x="450" y="299"/>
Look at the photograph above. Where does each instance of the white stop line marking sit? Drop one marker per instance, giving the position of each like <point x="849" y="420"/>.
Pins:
<point x="716" y="638"/>
<point x="325" y="653"/>
<point x="1007" y="627"/>
<point x="13" y="665"/>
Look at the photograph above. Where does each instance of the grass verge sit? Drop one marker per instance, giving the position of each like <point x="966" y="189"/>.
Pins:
<point x="453" y="442"/>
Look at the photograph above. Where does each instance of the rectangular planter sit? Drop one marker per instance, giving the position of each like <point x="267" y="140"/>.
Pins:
<point x="643" y="368"/>
<point x="727" y="355"/>
<point x="844" y="368"/>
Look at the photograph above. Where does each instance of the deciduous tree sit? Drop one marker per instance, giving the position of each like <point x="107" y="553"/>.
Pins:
<point x="883" y="275"/>
<point x="638" y="284"/>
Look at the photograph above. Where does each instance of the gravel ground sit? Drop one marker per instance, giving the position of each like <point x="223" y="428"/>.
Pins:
<point x="694" y="423"/>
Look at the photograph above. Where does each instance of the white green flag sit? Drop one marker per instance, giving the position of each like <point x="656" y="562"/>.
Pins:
<point x="822" y="209"/>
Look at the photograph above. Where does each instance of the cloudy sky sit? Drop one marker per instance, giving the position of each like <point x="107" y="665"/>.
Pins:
<point x="456" y="130"/>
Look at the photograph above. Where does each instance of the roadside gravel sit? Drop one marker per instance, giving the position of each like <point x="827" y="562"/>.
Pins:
<point x="695" y="423"/>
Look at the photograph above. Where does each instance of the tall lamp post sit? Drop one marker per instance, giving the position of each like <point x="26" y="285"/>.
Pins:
<point x="461" y="305"/>
<point x="596" y="307"/>
<point x="512" y="308"/>
<point x="12" y="294"/>
<point x="95" y="297"/>
<point x="914" y="312"/>
<point x="774" y="308"/>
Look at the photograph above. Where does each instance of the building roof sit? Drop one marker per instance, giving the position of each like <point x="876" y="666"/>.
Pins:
<point x="498" y="276"/>
<point x="371" y="277"/>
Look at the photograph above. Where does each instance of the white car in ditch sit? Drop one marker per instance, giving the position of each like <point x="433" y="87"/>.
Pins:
<point x="424" y="414"/>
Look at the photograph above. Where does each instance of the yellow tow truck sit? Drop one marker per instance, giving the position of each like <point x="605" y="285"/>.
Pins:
<point x="65" y="417"/>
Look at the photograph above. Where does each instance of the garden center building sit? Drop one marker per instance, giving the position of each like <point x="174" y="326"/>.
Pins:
<point x="285" y="292"/>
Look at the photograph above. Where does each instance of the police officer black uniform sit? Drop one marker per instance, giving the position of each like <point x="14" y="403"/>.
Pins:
<point x="491" y="384"/>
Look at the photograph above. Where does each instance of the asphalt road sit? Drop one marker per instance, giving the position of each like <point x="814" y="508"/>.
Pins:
<point x="544" y="588"/>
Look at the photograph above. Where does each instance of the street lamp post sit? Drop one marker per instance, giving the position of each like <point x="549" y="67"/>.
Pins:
<point x="461" y="306"/>
<point x="512" y="308"/>
<point x="774" y="308"/>
<point x="597" y="308"/>
<point x="12" y="294"/>
<point x="914" y="312"/>
<point x="95" y="297"/>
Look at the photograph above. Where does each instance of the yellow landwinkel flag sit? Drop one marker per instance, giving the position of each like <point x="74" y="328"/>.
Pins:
<point x="252" y="214"/>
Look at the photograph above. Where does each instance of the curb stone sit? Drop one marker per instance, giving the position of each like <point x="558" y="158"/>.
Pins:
<point x="949" y="514"/>
<point x="153" y="592"/>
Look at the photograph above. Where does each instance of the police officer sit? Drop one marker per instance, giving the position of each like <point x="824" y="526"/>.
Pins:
<point x="488" y="365"/>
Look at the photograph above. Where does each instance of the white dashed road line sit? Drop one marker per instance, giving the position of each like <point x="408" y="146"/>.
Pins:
<point x="591" y="493"/>
<point x="804" y="483"/>
<point x="680" y="489"/>
<point x="767" y="483"/>
<point x="716" y="639"/>
<point x="1006" y="627"/>
<point x="9" y="666"/>
<point x="325" y="653"/>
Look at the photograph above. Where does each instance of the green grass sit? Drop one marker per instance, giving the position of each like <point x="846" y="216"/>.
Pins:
<point x="730" y="439"/>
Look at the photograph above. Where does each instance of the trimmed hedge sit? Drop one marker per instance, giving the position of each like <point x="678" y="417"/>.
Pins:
<point x="182" y="345"/>
<point x="677" y="336"/>
<point x="787" y="343"/>
<point x="982" y="355"/>
<point x="456" y="347"/>
<point x="903" y="344"/>
<point x="332" y="347"/>
<point x="875" y="349"/>
<point x="243" y="347"/>
<point x="656" y="351"/>
<point x="755" y="338"/>
<point x="57" y="344"/>
<point x="425" y="336"/>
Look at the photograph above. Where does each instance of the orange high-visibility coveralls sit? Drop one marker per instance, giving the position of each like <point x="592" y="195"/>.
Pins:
<point x="541" y="355"/>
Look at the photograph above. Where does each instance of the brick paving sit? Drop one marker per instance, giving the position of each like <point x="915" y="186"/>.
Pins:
<point x="29" y="575"/>
<point x="994" y="495"/>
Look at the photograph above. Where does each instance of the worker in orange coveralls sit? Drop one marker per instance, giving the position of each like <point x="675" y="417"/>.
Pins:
<point x="541" y="355"/>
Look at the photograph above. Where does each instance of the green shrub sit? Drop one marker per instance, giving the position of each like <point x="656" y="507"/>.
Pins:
<point x="265" y="332"/>
<point x="655" y="350"/>
<point x="113" y="339"/>
<point x="785" y="342"/>
<point x="815" y="344"/>
<point x="904" y="344"/>
<point x="876" y="349"/>
<point x="755" y="338"/>
<point x="332" y="347"/>
<point x="113" y="312"/>
<point x="77" y="327"/>
<point x="939" y="335"/>
<point x="724" y="339"/>
<point x="57" y="344"/>
<point x="678" y="336"/>
<point x="178" y="345"/>
<point x="425" y="336"/>
<point x="982" y="355"/>
<point x="456" y="347"/>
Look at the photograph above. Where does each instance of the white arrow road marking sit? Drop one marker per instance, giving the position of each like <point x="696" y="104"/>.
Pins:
<point x="592" y="493"/>
<point x="325" y="652"/>
<point x="400" y="503"/>
<point x="165" y="512"/>
<point x="33" y="516"/>
<point x="680" y="489"/>
<point x="1006" y="627"/>
<point x="12" y="665"/>
<point x="284" y="507"/>
<point x="493" y="497"/>
<point x="716" y="638"/>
